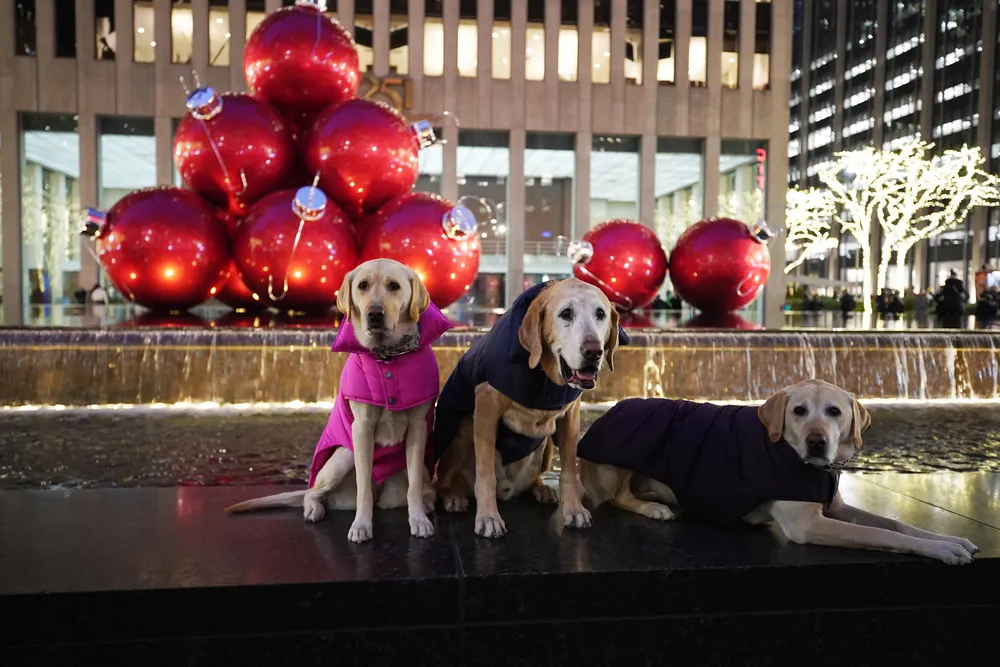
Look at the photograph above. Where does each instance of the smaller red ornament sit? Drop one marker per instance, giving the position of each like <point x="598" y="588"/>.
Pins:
<point x="433" y="237"/>
<point x="366" y="154"/>
<point x="232" y="149"/>
<point x="624" y="259"/>
<point x="235" y="294"/>
<point x="295" y="247"/>
<point x="720" y="265"/>
<point x="301" y="61"/>
<point x="163" y="247"/>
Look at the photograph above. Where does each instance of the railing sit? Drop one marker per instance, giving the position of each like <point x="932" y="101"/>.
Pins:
<point x="499" y="247"/>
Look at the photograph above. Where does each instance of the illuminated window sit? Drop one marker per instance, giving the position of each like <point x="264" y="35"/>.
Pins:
<point x="731" y="44"/>
<point x="399" y="46"/>
<point x="534" y="52"/>
<point x="218" y="36"/>
<point x="501" y="41"/>
<point x="104" y="37"/>
<point x="364" y="40"/>
<point x="144" y="50"/>
<point x="253" y="20"/>
<point x="698" y="48"/>
<point x="433" y="48"/>
<point x="468" y="48"/>
<point x="633" y="42"/>
<point x="181" y="31"/>
<point x="600" y="55"/>
<point x="762" y="47"/>
<point x="665" y="55"/>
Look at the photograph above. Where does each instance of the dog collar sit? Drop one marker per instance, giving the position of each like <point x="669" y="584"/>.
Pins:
<point x="407" y="344"/>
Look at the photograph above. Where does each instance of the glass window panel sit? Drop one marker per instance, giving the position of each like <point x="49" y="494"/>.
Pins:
<point x="614" y="178"/>
<point x="104" y="30"/>
<point x="569" y="48"/>
<point x="50" y="208"/>
<point x="549" y="170"/>
<point x="253" y="20"/>
<point x="218" y="35"/>
<point x="483" y="160"/>
<point x="431" y="164"/>
<point x="25" y="31"/>
<point x="665" y="57"/>
<point x="633" y="41"/>
<point x="144" y="47"/>
<point x="501" y="47"/>
<point x="534" y="52"/>
<point x="65" y="28"/>
<point x="399" y="45"/>
<point x="468" y="49"/>
<point x="678" y="188"/>
<point x="433" y="47"/>
<point x="762" y="47"/>
<point x="600" y="55"/>
<point x="730" y="44"/>
<point x="181" y="32"/>
<point x="697" y="60"/>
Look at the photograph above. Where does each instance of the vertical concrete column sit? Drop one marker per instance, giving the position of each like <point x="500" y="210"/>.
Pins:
<point x="415" y="22"/>
<point x="124" y="54"/>
<point x="484" y="45"/>
<point x="984" y="139"/>
<point x="200" y="56"/>
<point x="711" y="148"/>
<point x="237" y="40"/>
<point x="381" y="27"/>
<point x="345" y="14"/>
<point x="86" y="50"/>
<point x="553" y="19"/>
<point x="777" y="158"/>
<point x="833" y="257"/>
<point x="272" y="6"/>
<point x="618" y="14"/>
<point x="165" y="88"/>
<point x="584" y="136"/>
<point x="164" y="135"/>
<point x="59" y="224"/>
<point x="878" y="104"/>
<point x="10" y="211"/>
<point x="650" y="96"/>
<point x="449" y="167"/>
<point x="86" y="128"/>
<point x="746" y="46"/>
<point x="682" y="63"/>
<point x="518" y="138"/>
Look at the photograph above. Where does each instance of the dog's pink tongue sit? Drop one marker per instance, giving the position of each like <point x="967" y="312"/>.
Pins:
<point x="585" y="376"/>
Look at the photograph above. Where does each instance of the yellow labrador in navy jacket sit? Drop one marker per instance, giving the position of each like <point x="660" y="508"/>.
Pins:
<point x="716" y="459"/>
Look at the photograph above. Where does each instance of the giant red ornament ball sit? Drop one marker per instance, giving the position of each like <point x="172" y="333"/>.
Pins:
<point x="627" y="263"/>
<point x="235" y="294"/>
<point x="164" y="248"/>
<point x="301" y="61"/>
<point x="429" y="234"/>
<point x="326" y="251"/>
<point x="232" y="149"/>
<point x="720" y="265"/>
<point x="365" y="153"/>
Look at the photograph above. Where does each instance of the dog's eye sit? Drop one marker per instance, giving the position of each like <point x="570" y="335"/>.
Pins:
<point x="363" y="285"/>
<point x="566" y="314"/>
<point x="800" y="410"/>
<point x="393" y="286"/>
<point x="600" y="314"/>
<point x="833" y="411"/>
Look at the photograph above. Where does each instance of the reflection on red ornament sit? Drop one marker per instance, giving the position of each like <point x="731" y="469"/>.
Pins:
<point x="719" y="265"/>
<point x="301" y="61"/>
<point x="720" y="321"/>
<point x="245" y="319"/>
<point x="326" y="251"/>
<point x="627" y="263"/>
<point x="164" y="248"/>
<point x="160" y="320"/>
<point x="235" y="294"/>
<point x="413" y="230"/>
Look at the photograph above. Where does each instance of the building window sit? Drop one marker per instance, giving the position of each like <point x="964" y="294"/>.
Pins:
<point x="762" y="47"/>
<point x="549" y="169"/>
<point x="742" y="180"/>
<point x="731" y="44"/>
<point x="144" y="46"/>
<point x="678" y="188"/>
<point x="634" y="16"/>
<point x="483" y="167"/>
<point x="104" y="29"/>
<point x="501" y="40"/>
<point x="534" y="42"/>
<point x="256" y="11"/>
<point x="50" y="208"/>
<point x="468" y="48"/>
<point x="25" y="30"/>
<point x="364" y="39"/>
<point x="698" y="48"/>
<point x="65" y="20"/>
<point x="218" y="33"/>
<point x="127" y="149"/>
<point x="614" y="178"/>
<point x="431" y="166"/>
<point x="181" y="32"/>
<point x="665" y="55"/>
<point x="569" y="43"/>
<point x="600" y="44"/>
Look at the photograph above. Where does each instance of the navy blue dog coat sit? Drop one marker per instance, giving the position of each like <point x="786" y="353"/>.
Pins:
<point x="499" y="359"/>
<point x="716" y="459"/>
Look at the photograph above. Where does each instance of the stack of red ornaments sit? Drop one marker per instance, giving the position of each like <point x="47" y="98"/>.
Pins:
<point x="288" y="188"/>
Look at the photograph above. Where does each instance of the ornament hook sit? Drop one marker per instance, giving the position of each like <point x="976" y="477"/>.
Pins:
<point x="309" y="205"/>
<point x="762" y="232"/>
<point x="580" y="253"/>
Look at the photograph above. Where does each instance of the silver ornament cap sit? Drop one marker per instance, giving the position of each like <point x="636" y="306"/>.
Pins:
<point x="580" y="252"/>
<point x="762" y="232"/>
<point x="459" y="223"/>
<point x="309" y="203"/>
<point x="425" y="133"/>
<point x="319" y="5"/>
<point x="204" y="103"/>
<point x="93" y="222"/>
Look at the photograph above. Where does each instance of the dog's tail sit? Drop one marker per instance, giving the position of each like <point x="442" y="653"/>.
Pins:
<point x="289" y="499"/>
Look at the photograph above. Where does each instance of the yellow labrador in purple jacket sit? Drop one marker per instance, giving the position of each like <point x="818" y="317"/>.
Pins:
<point x="780" y="462"/>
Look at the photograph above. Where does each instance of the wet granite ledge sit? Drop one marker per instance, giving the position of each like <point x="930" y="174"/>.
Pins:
<point x="162" y="577"/>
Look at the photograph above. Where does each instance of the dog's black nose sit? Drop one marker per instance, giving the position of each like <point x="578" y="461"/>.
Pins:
<point x="816" y="443"/>
<point x="592" y="350"/>
<point x="376" y="315"/>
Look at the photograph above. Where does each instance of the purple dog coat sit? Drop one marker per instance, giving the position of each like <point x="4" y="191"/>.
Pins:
<point x="716" y="459"/>
<point x="400" y="383"/>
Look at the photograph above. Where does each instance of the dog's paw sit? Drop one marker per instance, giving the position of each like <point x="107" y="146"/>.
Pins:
<point x="964" y="543"/>
<point x="361" y="531"/>
<point x="490" y="525"/>
<point x="577" y="517"/>
<point x="950" y="553"/>
<point x="456" y="504"/>
<point x="546" y="495"/>
<point x="312" y="510"/>
<point x="421" y="526"/>
<point x="657" y="512"/>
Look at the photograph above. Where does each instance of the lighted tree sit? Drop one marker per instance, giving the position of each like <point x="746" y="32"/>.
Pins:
<point x="807" y="224"/>
<point x="929" y="195"/>
<point x="745" y="205"/>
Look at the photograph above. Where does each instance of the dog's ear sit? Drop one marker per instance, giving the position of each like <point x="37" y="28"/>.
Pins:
<point x="529" y="335"/>
<point x="344" y="304"/>
<point x="611" y="344"/>
<point x="772" y="415"/>
<point x="420" y="299"/>
<point x="860" y="422"/>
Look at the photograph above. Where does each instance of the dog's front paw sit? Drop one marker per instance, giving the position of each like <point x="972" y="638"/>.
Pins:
<point x="577" y="517"/>
<point x="657" y="512"/>
<point x="964" y="543"/>
<point x="456" y="504"/>
<point x="546" y="495"/>
<point x="313" y="510"/>
<point x="361" y="531"/>
<point x="490" y="525"/>
<point x="421" y="526"/>
<point x="950" y="553"/>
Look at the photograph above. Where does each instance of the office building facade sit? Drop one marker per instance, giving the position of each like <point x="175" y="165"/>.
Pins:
<point x="569" y="113"/>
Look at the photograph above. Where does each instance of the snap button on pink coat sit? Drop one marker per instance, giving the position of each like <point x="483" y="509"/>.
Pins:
<point x="398" y="384"/>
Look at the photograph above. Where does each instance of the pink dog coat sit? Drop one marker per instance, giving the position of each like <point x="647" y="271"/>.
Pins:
<point x="397" y="384"/>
